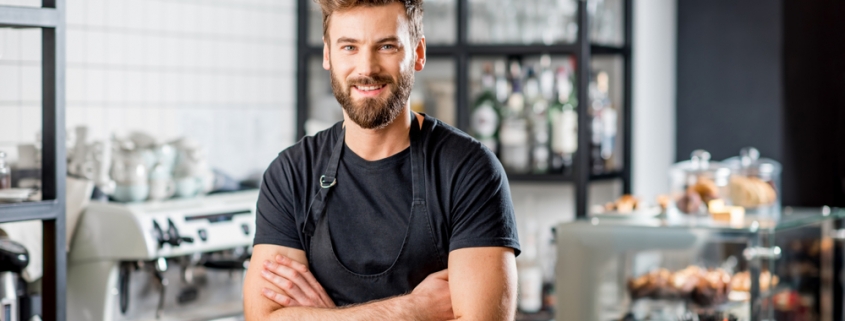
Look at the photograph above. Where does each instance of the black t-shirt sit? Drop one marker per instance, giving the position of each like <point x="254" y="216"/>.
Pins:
<point x="467" y="197"/>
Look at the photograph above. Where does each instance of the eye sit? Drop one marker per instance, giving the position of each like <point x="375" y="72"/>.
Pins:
<point x="348" y="48"/>
<point x="388" y="47"/>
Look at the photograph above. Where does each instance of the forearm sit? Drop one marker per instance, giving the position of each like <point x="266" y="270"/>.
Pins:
<point x="396" y="308"/>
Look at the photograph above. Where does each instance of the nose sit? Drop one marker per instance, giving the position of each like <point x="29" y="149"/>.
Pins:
<point x="368" y="64"/>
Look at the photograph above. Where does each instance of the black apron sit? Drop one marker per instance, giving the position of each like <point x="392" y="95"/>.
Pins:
<point x="418" y="256"/>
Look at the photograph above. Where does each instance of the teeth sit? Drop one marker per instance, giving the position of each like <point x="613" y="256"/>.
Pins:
<point x="368" y="88"/>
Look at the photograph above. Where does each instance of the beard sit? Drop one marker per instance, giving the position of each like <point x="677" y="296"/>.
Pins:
<point x="374" y="112"/>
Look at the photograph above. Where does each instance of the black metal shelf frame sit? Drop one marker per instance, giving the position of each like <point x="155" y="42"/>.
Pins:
<point x="503" y="50"/>
<point x="462" y="50"/>
<point x="51" y="212"/>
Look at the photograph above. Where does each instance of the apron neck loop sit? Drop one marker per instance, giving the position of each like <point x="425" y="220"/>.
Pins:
<point x="417" y="160"/>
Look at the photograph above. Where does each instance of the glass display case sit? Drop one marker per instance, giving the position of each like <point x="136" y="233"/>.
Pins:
<point x="680" y="267"/>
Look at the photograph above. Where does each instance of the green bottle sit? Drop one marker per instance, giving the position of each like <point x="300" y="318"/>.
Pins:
<point x="563" y="116"/>
<point x="485" y="117"/>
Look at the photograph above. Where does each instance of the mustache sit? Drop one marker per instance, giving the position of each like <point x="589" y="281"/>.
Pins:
<point x="370" y="80"/>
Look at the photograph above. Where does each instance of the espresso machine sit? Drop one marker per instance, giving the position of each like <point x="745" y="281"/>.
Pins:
<point x="181" y="259"/>
<point x="13" y="259"/>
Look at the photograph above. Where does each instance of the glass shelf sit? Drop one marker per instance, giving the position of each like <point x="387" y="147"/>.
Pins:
<point x="607" y="22"/>
<point x="522" y="21"/>
<point x="440" y="22"/>
<point x="791" y="218"/>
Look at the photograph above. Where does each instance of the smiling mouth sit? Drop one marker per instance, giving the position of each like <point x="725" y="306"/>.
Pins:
<point x="368" y="88"/>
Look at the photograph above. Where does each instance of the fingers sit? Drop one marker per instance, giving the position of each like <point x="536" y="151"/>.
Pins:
<point x="291" y="263"/>
<point x="294" y="284"/>
<point x="309" y="277"/>
<point x="279" y="298"/>
<point x="291" y="282"/>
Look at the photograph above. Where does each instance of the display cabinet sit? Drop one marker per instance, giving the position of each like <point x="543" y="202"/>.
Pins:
<point x="556" y="74"/>
<point x="50" y="208"/>
<point x="680" y="267"/>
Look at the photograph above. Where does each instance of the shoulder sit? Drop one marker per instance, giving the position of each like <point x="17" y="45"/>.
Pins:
<point x="451" y="147"/>
<point x="301" y="157"/>
<point x="312" y="146"/>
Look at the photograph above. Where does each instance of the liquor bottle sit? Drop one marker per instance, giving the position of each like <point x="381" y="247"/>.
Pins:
<point x="603" y="124"/>
<point x="609" y="119"/>
<point x="417" y="100"/>
<point x="596" y="125"/>
<point x="485" y="117"/>
<point x="563" y="116"/>
<point x="547" y="78"/>
<point x="537" y="108"/>
<point x="503" y="87"/>
<point x="514" y="135"/>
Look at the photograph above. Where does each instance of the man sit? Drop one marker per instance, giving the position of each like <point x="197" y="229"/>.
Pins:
<point x="389" y="215"/>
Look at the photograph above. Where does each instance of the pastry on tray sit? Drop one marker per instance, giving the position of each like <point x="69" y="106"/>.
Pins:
<point x="742" y="281"/>
<point x="701" y="286"/>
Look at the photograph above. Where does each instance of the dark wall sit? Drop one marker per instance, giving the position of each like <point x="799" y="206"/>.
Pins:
<point x="729" y="77"/>
<point x="814" y="83"/>
<point x="769" y="74"/>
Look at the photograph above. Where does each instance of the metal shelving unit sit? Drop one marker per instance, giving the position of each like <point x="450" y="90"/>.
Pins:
<point x="462" y="50"/>
<point x="51" y="210"/>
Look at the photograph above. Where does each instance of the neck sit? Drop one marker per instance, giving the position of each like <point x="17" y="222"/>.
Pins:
<point x="375" y="144"/>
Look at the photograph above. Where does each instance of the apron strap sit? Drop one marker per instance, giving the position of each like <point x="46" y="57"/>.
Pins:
<point x="327" y="181"/>
<point x="417" y="161"/>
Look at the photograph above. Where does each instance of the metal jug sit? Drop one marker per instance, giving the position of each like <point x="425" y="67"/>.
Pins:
<point x="13" y="259"/>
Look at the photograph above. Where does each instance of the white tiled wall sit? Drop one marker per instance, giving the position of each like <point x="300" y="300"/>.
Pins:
<point x="220" y="71"/>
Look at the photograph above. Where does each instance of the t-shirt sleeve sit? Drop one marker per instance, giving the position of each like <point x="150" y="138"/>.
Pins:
<point x="274" y="219"/>
<point x="482" y="212"/>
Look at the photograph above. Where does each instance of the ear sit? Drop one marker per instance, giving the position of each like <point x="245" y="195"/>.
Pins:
<point x="419" y="62"/>
<point x="327" y="64"/>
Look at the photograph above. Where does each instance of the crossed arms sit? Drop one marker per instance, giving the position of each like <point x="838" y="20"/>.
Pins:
<point x="479" y="284"/>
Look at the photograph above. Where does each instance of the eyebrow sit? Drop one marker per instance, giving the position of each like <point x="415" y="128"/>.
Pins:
<point x="346" y="40"/>
<point x="382" y="40"/>
<point x="388" y="39"/>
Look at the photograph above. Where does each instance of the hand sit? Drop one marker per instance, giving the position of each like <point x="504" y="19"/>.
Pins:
<point x="433" y="297"/>
<point x="298" y="284"/>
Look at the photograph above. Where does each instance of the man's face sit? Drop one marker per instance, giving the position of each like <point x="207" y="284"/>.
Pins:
<point x="372" y="62"/>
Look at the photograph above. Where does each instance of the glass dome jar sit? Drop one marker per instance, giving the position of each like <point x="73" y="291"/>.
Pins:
<point x="755" y="182"/>
<point x="696" y="182"/>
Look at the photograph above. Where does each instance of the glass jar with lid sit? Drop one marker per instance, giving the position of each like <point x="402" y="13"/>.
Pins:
<point x="697" y="182"/>
<point x="755" y="182"/>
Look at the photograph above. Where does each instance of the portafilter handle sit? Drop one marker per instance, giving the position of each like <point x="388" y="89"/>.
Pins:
<point x="13" y="256"/>
<point x="158" y="272"/>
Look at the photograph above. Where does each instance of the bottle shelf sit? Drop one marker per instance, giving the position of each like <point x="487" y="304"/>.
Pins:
<point x="608" y="50"/>
<point x="566" y="178"/>
<point x="602" y="45"/>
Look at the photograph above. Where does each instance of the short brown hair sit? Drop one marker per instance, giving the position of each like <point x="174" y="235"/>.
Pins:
<point x="413" y="11"/>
